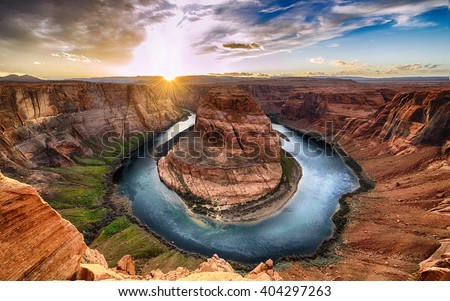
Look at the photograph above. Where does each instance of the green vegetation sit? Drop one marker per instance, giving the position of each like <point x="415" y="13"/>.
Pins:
<point x="115" y="227"/>
<point x="80" y="186"/>
<point x="170" y="261"/>
<point x="132" y="240"/>
<point x="289" y="167"/>
<point x="89" y="161"/>
<point x="78" y="193"/>
<point x="82" y="218"/>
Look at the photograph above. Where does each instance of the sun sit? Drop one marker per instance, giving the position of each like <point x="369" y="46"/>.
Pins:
<point x="169" y="76"/>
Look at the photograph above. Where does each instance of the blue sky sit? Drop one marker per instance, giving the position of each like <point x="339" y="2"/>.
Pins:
<point x="375" y="38"/>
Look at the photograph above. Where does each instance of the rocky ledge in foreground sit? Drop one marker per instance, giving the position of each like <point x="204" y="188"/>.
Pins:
<point x="37" y="244"/>
<point x="232" y="157"/>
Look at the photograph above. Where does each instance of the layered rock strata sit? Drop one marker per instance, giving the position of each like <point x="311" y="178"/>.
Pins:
<point x="313" y="107"/>
<point x="410" y="119"/>
<point x="35" y="242"/>
<point x="232" y="157"/>
<point x="44" y="124"/>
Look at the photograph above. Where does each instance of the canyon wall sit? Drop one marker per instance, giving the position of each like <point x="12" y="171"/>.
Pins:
<point x="43" y="124"/>
<point x="408" y="120"/>
<point x="270" y="97"/>
<point x="312" y="107"/>
<point x="403" y="145"/>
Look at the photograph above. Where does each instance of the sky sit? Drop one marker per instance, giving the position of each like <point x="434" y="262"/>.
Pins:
<point x="90" y="38"/>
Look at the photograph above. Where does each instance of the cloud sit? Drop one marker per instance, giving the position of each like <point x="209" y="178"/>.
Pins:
<point x="302" y="24"/>
<point x="407" y="21"/>
<point x="388" y="7"/>
<point x="109" y="30"/>
<point x="400" y="11"/>
<point x="249" y="46"/>
<point x="37" y="63"/>
<point x="277" y="8"/>
<point x="417" y="67"/>
<point x="342" y="63"/>
<point x="317" y="60"/>
<point x="75" y="57"/>
<point x="332" y="45"/>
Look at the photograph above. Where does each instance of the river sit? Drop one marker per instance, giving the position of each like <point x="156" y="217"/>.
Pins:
<point x="298" y="229"/>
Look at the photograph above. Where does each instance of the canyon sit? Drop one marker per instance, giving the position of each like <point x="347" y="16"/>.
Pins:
<point x="396" y="131"/>
<point x="45" y="124"/>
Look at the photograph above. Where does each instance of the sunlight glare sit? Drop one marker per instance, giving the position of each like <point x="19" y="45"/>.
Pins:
<point x="169" y="76"/>
<point x="167" y="51"/>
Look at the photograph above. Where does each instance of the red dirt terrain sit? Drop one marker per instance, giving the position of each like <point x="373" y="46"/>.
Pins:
<point x="405" y="218"/>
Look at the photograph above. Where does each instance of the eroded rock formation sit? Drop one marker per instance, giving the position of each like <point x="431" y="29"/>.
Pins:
<point x="312" y="107"/>
<point x="35" y="242"/>
<point x="437" y="266"/>
<point x="44" y="124"/>
<point x="410" y="119"/>
<point x="234" y="157"/>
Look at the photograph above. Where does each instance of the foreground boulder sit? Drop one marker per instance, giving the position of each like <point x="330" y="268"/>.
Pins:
<point x="232" y="158"/>
<point x="35" y="242"/>
<point x="126" y="265"/>
<point x="215" y="264"/>
<point x="92" y="256"/>
<point x="264" y="272"/>
<point x="437" y="266"/>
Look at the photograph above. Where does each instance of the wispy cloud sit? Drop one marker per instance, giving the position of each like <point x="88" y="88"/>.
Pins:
<point x="342" y="63"/>
<point x="417" y="67"/>
<point x="277" y="8"/>
<point x="317" y="60"/>
<point x="75" y="57"/>
<point x="301" y="24"/>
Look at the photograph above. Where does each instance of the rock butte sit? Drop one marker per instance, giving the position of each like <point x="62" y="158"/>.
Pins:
<point x="235" y="157"/>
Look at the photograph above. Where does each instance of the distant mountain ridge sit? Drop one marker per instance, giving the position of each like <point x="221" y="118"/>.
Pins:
<point x="20" y="78"/>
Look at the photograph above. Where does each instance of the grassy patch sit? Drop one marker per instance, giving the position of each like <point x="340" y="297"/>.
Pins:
<point x="88" y="161"/>
<point x="83" y="219"/>
<point x="170" y="261"/>
<point x="77" y="196"/>
<point x="288" y="166"/>
<point x="115" y="147"/>
<point x="134" y="241"/>
<point x="115" y="227"/>
<point x="81" y="186"/>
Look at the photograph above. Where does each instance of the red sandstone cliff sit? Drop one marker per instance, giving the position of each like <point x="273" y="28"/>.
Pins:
<point x="43" y="124"/>
<point x="311" y="107"/>
<point x="35" y="242"/>
<point x="410" y="119"/>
